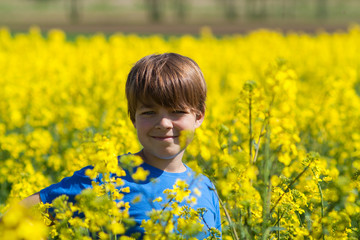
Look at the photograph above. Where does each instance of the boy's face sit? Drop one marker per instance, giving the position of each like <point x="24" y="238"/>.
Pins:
<point x="159" y="129"/>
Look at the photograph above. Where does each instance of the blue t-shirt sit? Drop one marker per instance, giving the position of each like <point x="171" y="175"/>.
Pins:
<point x="145" y="192"/>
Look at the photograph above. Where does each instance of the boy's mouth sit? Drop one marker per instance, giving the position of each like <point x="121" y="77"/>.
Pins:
<point x="164" y="137"/>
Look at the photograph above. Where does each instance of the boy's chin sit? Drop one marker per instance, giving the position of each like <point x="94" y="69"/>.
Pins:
<point x="169" y="156"/>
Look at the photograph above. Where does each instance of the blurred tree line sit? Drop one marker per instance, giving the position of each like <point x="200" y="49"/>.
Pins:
<point x="73" y="8"/>
<point x="231" y="9"/>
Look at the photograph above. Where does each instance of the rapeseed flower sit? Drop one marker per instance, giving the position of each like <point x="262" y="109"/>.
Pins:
<point x="267" y="109"/>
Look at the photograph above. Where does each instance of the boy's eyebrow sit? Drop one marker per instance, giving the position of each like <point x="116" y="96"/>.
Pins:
<point x="146" y="105"/>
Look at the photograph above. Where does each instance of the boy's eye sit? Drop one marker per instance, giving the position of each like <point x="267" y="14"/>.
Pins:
<point x="180" y="111"/>
<point x="147" y="113"/>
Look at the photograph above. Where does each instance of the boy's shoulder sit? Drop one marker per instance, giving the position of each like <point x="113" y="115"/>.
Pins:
<point x="204" y="181"/>
<point x="154" y="172"/>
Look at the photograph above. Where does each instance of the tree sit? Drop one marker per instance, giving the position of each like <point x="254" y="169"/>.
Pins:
<point x="72" y="7"/>
<point x="321" y="8"/>
<point x="256" y="8"/>
<point x="74" y="11"/>
<point x="230" y="9"/>
<point x="180" y="8"/>
<point x="154" y="10"/>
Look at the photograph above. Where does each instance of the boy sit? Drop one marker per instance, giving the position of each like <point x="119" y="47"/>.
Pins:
<point x="166" y="100"/>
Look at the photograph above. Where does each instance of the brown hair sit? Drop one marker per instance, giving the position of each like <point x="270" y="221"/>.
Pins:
<point x="169" y="79"/>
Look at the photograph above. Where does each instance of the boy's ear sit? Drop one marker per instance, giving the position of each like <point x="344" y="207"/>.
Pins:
<point x="199" y="119"/>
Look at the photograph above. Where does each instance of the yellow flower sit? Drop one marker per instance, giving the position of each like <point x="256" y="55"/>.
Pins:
<point x="140" y="174"/>
<point x="158" y="199"/>
<point x="265" y="111"/>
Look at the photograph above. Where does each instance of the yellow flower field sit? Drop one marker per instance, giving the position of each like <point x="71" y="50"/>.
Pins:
<point x="280" y="140"/>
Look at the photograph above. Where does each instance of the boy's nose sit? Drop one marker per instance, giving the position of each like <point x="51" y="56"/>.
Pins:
<point x="164" y="123"/>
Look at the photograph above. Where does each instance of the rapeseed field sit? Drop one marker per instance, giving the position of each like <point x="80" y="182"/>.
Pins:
<point x="280" y="140"/>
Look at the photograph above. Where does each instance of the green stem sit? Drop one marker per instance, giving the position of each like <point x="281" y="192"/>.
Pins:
<point x="289" y="186"/>
<point x="278" y="224"/>
<point x="250" y="126"/>
<point x="258" y="142"/>
<point x="166" y="205"/>
<point x="322" y="204"/>
<point x="265" y="124"/>
<point x="250" y="142"/>
<point x="233" y="230"/>
<point x="266" y="189"/>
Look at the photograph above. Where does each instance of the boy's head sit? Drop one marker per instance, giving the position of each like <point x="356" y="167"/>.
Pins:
<point x="170" y="80"/>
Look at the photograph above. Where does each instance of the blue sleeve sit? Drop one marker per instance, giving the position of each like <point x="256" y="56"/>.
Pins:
<point x="209" y="200"/>
<point x="216" y="205"/>
<point x="217" y="209"/>
<point x="70" y="186"/>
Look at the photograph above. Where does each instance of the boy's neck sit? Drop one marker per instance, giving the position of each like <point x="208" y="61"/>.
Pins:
<point x="173" y="165"/>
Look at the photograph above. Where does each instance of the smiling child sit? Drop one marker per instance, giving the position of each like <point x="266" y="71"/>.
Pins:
<point x="166" y="96"/>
